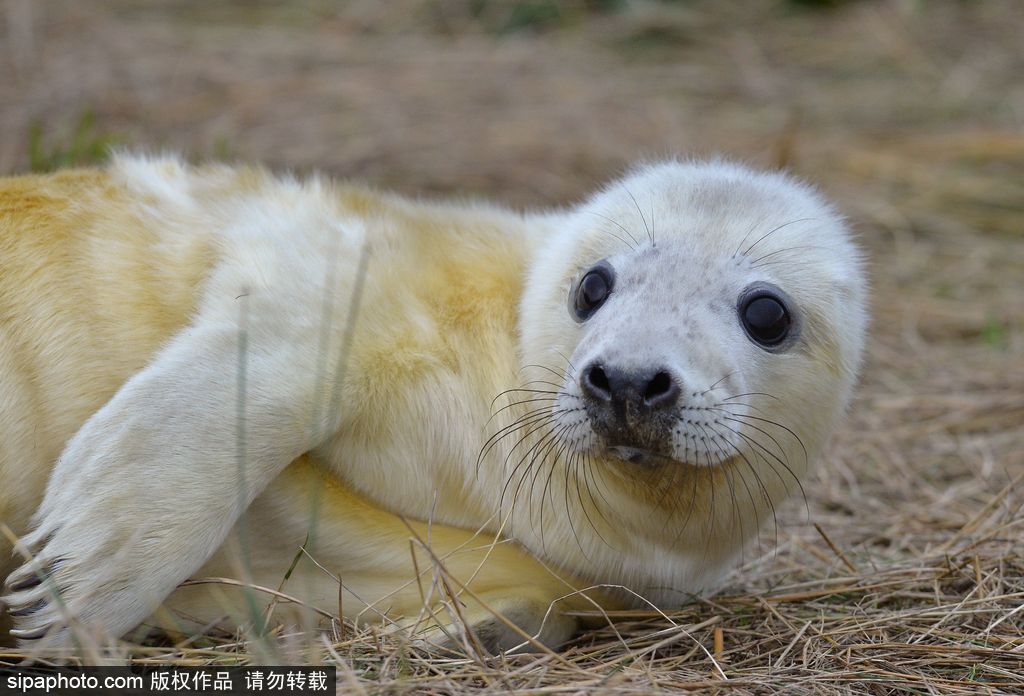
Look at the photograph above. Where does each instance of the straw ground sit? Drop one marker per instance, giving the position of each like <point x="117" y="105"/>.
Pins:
<point x="902" y="571"/>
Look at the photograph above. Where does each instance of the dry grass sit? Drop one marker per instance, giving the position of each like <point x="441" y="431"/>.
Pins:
<point x="903" y="570"/>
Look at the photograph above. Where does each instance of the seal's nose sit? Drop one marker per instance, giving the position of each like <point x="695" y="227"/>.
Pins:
<point x="608" y="387"/>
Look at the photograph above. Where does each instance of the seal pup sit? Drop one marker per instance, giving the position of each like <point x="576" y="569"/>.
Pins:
<point x="462" y="415"/>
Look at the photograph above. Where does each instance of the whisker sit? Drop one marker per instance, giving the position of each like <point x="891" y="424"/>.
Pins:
<point x="566" y="436"/>
<point x="553" y="441"/>
<point x="737" y="396"/>
<point x="632" y="246"/>
<point x="743" y="241"/>
<point x="787" y="262"/>
<point x="666" y="488"/>
<point x="590" y="477"/>
<point x="781" y="449"/>
<point x="773" y="231"/>
<point x="693" y="498"/>
<point x="523" y="390"/>
<point x="750" y="496"/>
<point x="541" y="381"/>
<point x="757" y="261"/>
<point x="522" y="420"/>
<point x="757" y="455"/>
<point x="724" y="407"/>
<point x="539" y="399"/>
<point x="653" y="228"/>
<point x="560" y="374"/>
<point x="766" y="451"/>
<point x="549" y="439"/>
<point x="633" y="198"/>
<point x="577" y="461"/>
<point x="531" y="418"/>
<point x="522" y="460"/>
<point x="570" y="469"/>
<point x="572" y="368"/>
<point x="544" y="422"/>
<point x="714" y="512"/>
<point x="559" y="447"/>
<point x="727" y="376"/>
<point x="732" y="491"/>
<point x="778" y="425"/>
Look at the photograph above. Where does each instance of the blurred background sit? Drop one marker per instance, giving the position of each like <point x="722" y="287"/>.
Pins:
<point x="909" y="114"/>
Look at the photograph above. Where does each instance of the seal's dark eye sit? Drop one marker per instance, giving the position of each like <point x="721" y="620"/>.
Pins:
<point x="765" y="319"/>
<point x="593" y="290"/>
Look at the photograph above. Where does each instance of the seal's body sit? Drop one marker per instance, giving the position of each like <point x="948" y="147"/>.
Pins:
<point x="625" y="389"/>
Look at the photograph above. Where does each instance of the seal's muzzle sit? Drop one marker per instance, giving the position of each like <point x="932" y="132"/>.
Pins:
<point x="631" y="409"/>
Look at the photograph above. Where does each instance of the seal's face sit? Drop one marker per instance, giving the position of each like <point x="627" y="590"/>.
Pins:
<point x="707" y="323"/>
<point x="662" y="360"/>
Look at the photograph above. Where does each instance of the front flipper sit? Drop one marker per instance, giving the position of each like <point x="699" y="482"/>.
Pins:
<point x="149" y="487"/>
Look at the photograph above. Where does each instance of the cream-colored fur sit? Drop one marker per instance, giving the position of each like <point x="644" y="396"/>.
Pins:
<point x="181" y="345"/>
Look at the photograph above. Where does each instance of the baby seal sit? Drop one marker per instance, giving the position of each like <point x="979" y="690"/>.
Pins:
<point x="458" y="418"/>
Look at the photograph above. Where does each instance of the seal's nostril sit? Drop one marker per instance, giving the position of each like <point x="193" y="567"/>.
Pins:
<point x="595" y="383"/>
<point x="661" y="390"/>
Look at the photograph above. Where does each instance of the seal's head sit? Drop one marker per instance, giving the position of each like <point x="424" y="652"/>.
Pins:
<point x="707" y="322"/>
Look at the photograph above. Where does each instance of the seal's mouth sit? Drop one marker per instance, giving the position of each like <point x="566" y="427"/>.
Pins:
<point x="651" y="459"/>
<point x="638" y="455"/>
